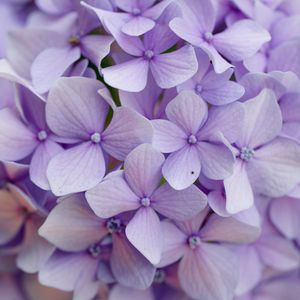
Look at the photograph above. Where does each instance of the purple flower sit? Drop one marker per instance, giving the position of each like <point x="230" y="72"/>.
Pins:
<point x="50" y="52"/>
<point x="239" y="41"/>
<point x="76" y="113"/>
<point x="28" y="136"/>
<point x="81" y="233"/>
<point x="194" y="137"/>
<point x="215" y="89"/>
<point x="265" y="163"/>
<point x="168" y="69"/>
<point x="206" y="270"/>
<point x="138" y="189"/>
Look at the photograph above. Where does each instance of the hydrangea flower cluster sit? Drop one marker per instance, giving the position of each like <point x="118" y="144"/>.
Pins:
<point x="150" y="150"/>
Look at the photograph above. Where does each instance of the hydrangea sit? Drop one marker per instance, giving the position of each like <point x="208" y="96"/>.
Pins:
<point x="150" y="150"/>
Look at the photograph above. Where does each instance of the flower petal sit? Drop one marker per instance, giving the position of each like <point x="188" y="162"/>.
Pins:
<point x="171" y="69"/>
<point x="178" y="205"/>
<point x="182" y="167"/>
<point x="126" y="131"/>
<point x="76" y="169"/>
<point x="144" y="233"/>
<point x="138" y="25"/>
<point x="111" y="197"/>
<point x="143" y="170"/>
<point x="77" y="225"/>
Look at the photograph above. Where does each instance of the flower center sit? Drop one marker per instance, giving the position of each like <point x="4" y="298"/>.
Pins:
<point x="149" y="54"/>
<point x="194" y="241"/>
<point x="74" y="40"/>
<point x="42" y="135"/>
<point x="192" y="139"/>
<point x="198" y="89"/>
<point x="95" y="250"/>
<point x="113" y="225"/>
<point x="207" y="36"/>
<point x="246" y="153"/>
<point x="159" y="276"/>
<point x="145" y="202"/>
<point x="136" y="11"/>
<point x="96" y="138"/>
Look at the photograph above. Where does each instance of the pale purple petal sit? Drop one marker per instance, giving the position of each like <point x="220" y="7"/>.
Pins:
<point x="120" y="292"/>
<point x="167" y="136"/>
<point x="129" y="266"/>
<point x="130" y="76"/>
<point x="188" y="111"/>
<point x="111" y="197"/>
<point x="126" y="131"/>
<point x="143" y="169"/>
<point x="16" y="140"/>
<point x="209" y="272"/>
<point x="171" y="69"/>
<point x="182" y="167"/>
<point x="178" y="205"/>
<point x="144" y="233"/>
<point x="50" y="64"/>
<point x="77" y="169"/>
<point x="241" y="40"/>
<point x="74" y="108"/>
<point x="138" y="25"/>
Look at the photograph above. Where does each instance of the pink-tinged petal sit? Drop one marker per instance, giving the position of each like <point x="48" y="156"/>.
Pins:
<point x="66" y="271"/>
<point x="144" y="233"/>
<point x="24" y="45"/>
<point x="278" y="253"/>
<point x="16" y="140"/>
<point x="50" y="64"/>
<point x="275" y="170"/>
<point x="130" y="76"/>
<point x="263" y="120"/>
<point x="87" y="291"/>
<point x="250" y="269"/>
<point x="111" y="197"/>
<point x="291" y="62"/>
<point x="137" y="26"/>
<point x="229" y="229"/>
<point x="171" y="69"/>
<point x="173" y="243"/>
<point x="241" y="40"/>
<point x="167" y="137"/>
<point x="36" y="291"/>
<point x="182" y="168"/>
<point x="129" y="266"/>
<point x="11" y="217"/>
<point x="209" y="272"/>
<point x="143" y="169"/>
<point x="284" y="214"/>
<point x="230" y="119"/>
<point x="120" y="292"/>
<point x="219" y="63"/>
<point x="126" y="131"/>
<point x="35" y="250"/>
<point x="178" y="205"/>
<point x="77" y="225"/>
<point x="7" y="72"/>
<point x="74" y="108"/>
<point x="188" y="111"/>
<point x="239" y="195"/>
<point x="217" y="160"/>
<point x="76" y="169"/>
<point x="40" y="160"/>
<point x="96" y="47"/>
